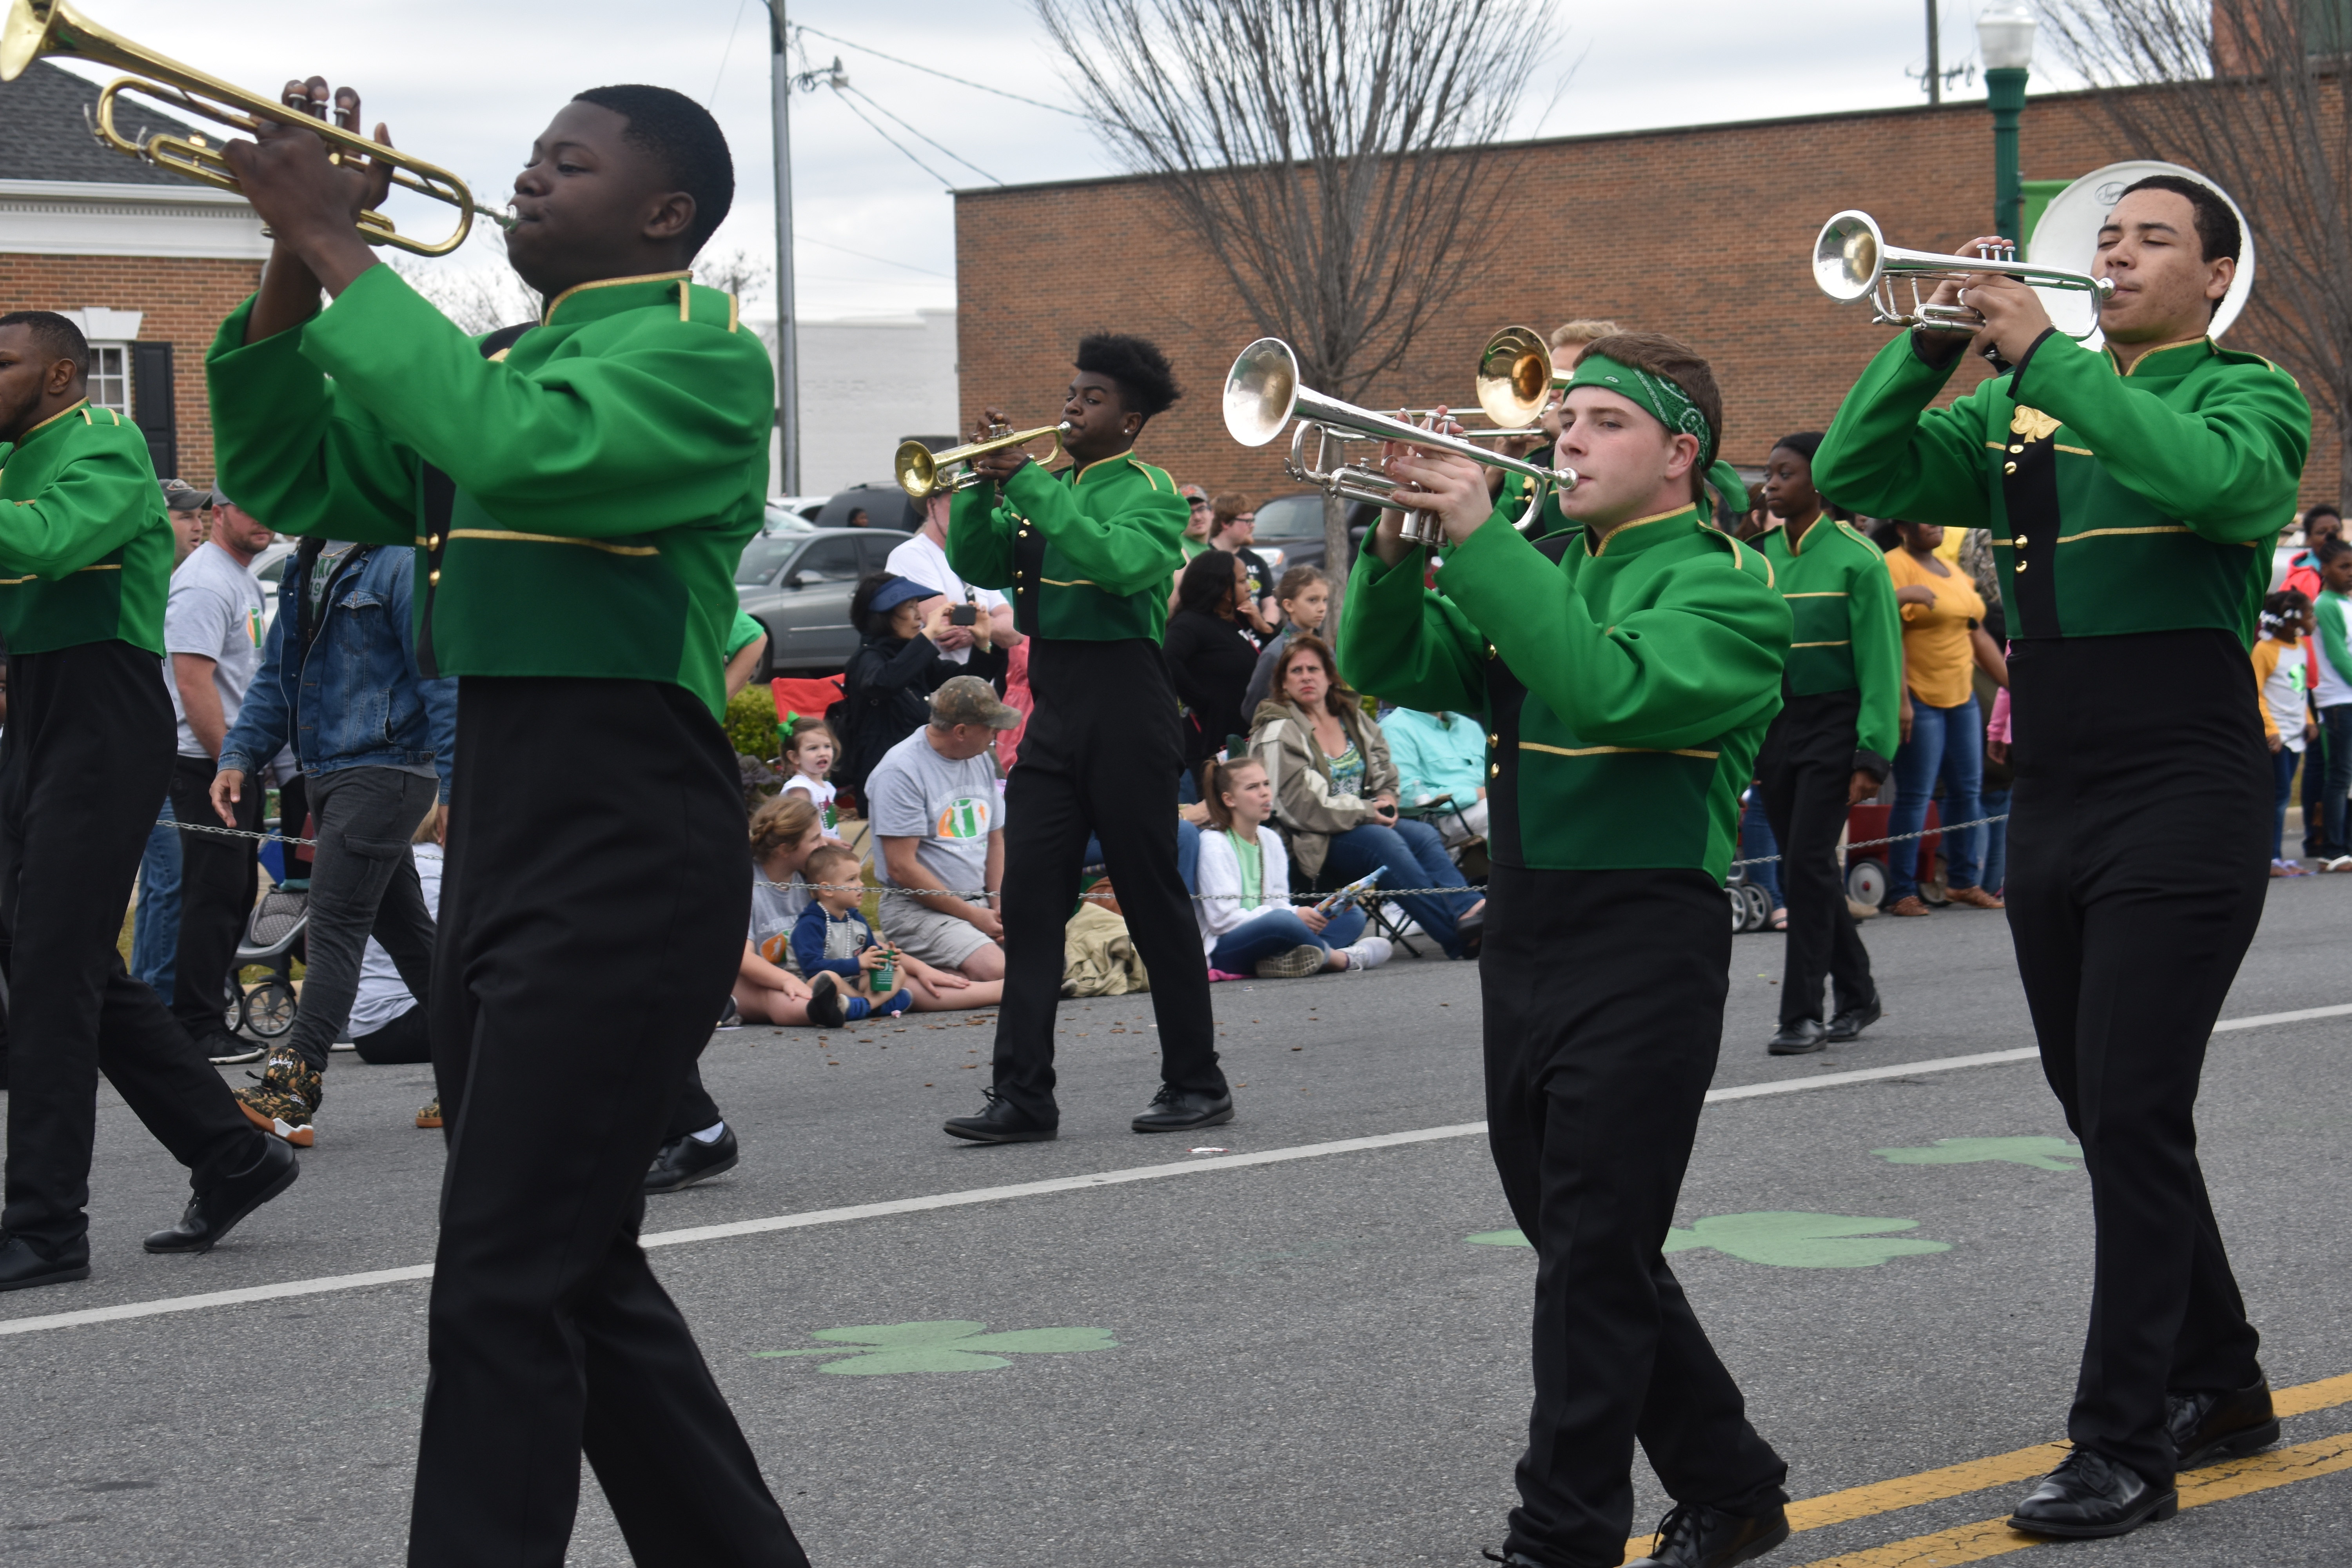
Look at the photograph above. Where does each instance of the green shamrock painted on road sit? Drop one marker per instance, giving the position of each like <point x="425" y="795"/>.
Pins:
<point x="879" y="1350"/>
<point x="1782" y="1240"/>
<point x="2041" y="1154"/>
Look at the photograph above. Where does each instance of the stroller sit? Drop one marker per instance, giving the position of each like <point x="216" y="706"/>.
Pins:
<point x="272" y="933"/>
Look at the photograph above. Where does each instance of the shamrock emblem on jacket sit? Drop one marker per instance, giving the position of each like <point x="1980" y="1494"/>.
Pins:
<point x="1783" y="1240"/>
<point x="878" y="1350"/>
<point x="2041" y="1154"/>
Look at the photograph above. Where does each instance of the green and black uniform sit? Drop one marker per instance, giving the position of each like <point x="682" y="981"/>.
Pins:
<point x="1086" y="554"/>
<point x="1626" y="685"/>
<point x="85" y="566"/>
<point x="577" y="493"/>
<point x="1841" y="698"/>
<point x="2132" y="515"/>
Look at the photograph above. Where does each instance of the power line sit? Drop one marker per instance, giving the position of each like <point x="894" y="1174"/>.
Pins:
<point x="944" y="182"/>
<point x="920" y="137"/>
<point x="867" y="255"/>
<point x="943" y="75"/>
<point x="720" y="74"/>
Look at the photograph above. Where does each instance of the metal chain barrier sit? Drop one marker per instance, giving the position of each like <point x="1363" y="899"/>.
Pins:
<point x="1197" y="897"/>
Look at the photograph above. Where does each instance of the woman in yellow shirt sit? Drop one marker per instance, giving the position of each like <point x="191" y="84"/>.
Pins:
<point x="1943" y="732"/>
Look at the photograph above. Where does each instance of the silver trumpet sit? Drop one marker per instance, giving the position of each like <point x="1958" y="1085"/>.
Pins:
<point x="1263" y="394"/>
<point x="1852" y="260"/>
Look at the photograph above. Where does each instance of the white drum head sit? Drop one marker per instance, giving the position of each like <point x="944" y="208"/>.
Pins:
<point x="2067" y="234"/>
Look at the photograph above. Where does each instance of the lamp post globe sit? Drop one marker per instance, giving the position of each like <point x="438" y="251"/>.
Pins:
<point x="2005" y="40"/>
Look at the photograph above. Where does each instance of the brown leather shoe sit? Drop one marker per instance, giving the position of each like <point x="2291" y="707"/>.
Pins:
<point x="1976" y="899"/>
<point x="1912" y="905"/>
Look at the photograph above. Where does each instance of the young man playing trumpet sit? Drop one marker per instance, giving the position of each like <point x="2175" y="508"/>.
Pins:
<point x="2139" y="839"/>
<point x="577" y="493"/>
<point x="1627" y="668"/>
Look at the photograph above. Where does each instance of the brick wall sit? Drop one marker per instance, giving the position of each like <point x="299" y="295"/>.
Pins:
<point x="183" y="301"/>
<point x="1705" y="233"/>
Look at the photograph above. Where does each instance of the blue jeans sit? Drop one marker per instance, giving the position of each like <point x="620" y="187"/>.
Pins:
<point x="1238" y="950"/>
<point x="1756" y="839"/>
<point x="2336" y="722"/>
<point x="155" y="924"/>
<point x="1947" y="742"/>
<point x="2284" y="762"/>
<point x="1188" y="853"/>
<point x="1995" y="876"/>
<point x="1415" y="856"/>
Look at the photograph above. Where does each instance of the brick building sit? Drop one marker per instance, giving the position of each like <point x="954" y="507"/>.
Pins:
<point x="147" y="262"/>
<point x="1704" y="232"/>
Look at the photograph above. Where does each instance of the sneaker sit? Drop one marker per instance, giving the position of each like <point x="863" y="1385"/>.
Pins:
<point x="899" y="1003"/>
<point x="225" y="1049"/>
<point x="730" y="1017"/>
<point x="1368" y="952"/>
<point x="824" y="1006"/>
<point x="431" y="1115"/>
<point x="1305" y="958"/>
<point x="285" y="1101"/>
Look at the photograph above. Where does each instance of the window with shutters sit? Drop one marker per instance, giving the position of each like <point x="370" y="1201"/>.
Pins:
<point x="109" y="377"/>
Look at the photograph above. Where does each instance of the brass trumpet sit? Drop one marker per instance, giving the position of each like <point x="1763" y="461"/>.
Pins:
<point x="922" y="471"/>
<point x="1852" y="260"/>
<point x="33" y="28"/>
<point x="1263" y="394"/>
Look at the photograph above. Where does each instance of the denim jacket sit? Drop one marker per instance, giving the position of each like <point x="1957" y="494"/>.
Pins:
<point x="355" y="699"/>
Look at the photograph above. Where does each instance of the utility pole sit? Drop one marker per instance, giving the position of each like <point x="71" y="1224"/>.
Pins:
<point x="1934" y="58"/>
<point x="788" y="379"/>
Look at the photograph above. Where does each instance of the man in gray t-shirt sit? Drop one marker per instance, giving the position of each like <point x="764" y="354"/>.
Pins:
<point x="212" y="641"/>
<point x="939" y="823"/>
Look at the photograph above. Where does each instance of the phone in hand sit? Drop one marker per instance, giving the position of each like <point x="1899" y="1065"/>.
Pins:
<point x="964" y="615"/>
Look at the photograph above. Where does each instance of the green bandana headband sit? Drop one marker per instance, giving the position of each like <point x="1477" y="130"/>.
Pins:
<point x="1728" y="485"/>
<point x="1669" y="403"/>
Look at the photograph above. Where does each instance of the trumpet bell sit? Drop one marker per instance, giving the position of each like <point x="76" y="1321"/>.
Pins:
<point x="916" y="468"/>
<point x="1514" y="377"/>
<point x="1846" y="256"/>
<point x="1261" y="390"/>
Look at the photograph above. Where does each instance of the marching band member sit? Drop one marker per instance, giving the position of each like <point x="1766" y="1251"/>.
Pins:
<point x="1627" y="668"/>
<point x="2139" y="841"/>
<point x="85" y="763"/>
<point x="578" y="492"/>
<point x="1832" y="744"/>
<point x="1085" y="551"/>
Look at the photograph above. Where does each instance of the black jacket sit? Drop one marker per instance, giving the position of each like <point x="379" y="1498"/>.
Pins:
<point x="887" y="695"/>
<point x="1211" y="660"/>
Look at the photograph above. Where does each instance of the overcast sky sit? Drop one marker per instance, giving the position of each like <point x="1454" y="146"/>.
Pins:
<point x="468" y="83"/>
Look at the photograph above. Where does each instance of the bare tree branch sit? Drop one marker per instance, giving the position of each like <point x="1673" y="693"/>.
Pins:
<point x="2250" y="93"/>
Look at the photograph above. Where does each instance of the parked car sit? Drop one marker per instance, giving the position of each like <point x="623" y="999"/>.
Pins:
<point x="270" y="567"/>
<point x="792" y="514"/>
<point x="798" y="587"/>
<point x="1290" y="531"/>
<point x="884" y="506"/>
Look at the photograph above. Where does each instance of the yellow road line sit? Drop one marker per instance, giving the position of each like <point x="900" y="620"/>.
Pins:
<point x="2000" y="1469"/>
<point x="1993" y="1538"/>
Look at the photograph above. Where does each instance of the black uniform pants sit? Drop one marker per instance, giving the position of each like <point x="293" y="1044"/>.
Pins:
<point x="591" y="916"/>
<point x="1100" y="756"/>
<point x="1596" y="1070"/>
<point x="695" y="1110"/>
<point x="219" y="878"/>
<point x="83" y="767"/>
<point x="2138" y="856"/>
<point x="1806" y="767"/>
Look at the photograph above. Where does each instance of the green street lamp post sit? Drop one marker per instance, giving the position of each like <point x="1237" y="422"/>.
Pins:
<point x="2005" y="39"/>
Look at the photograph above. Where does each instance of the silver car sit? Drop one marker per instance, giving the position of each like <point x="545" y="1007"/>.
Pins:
<point x="798" y="587"/>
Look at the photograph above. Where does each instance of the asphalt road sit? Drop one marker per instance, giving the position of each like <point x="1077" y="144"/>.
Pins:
<point x="1311" y="1360"/>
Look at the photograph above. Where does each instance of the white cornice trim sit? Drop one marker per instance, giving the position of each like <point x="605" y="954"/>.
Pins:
<point x="96" y="218"/>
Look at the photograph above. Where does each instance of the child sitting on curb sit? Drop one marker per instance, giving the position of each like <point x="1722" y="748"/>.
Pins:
<point x="832" y="938"/>
<point x="1247" y="923"/>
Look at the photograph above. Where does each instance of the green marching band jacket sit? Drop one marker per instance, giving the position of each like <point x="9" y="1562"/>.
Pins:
<point x="1087" y="553"/>
<point x="85" y="543"/>
<point x="1625" y="687"/>
<point x="2119" y="503"/>
<point x="578" y="492"/>
<point x="1846" y="629"/>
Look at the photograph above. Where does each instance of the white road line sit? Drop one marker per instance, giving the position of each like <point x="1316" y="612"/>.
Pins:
<point x="130" y="1310"/>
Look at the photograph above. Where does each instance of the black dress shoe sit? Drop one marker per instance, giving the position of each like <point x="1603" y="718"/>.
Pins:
<point x="1001" y="1122"/>
<point x="1696" y="1536"/>
<point x="1183" y="1109"/>
<point x="22" y="1266"/>
<point x="2090" y="1495"/>
<point x="1850" y="1023"/>
<point x="2208" y="1427"/>
<point x="686" y="1161"/>
<point x="212" y="1215"/>
<point x="1800" y="1037"/>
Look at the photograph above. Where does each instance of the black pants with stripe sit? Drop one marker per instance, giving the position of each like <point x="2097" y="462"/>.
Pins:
<point x="2138" y="860"/>
<point x="1603" y="1012"/>
<point x="1805" y="768"/>
<point x="1100" y="756"/>
<point x="83" y="769"/>
<point x="592" y="919"/>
